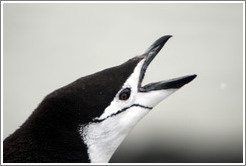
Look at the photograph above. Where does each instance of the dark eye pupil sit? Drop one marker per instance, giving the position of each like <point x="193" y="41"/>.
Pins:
<point x="125" y="94"/>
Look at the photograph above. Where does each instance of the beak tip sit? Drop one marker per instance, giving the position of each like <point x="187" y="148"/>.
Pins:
<point x="158" y="44"/>
<point x="162" y="40"/>
<point x="189" y="78"/>
<point x="169" y="36"/>
<point x="193" y="76"/>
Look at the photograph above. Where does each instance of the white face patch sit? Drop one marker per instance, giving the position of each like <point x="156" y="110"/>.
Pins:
<point x="105" y="133"/>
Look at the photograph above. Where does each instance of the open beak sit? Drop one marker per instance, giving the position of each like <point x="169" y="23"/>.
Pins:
<point x="149" y="55"/>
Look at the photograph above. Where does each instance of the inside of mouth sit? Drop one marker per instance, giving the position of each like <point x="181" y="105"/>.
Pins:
<point x="143" y="82"/>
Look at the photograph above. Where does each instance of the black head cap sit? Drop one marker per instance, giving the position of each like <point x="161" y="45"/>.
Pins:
<point x="85" y="98"/>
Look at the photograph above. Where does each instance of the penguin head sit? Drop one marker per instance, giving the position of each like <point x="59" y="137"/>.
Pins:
<point x="125" y="101"/>
<point x="133" y="96"/>
<point x="110" y="92"/>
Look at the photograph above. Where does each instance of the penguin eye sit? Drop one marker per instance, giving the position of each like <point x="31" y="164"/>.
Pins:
<point x="125" y="94"/>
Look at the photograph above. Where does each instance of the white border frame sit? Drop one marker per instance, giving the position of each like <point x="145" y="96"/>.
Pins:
<point x="92" y="2"/>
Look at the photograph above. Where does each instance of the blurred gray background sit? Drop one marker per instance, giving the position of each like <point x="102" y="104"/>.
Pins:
<point x="47" y="46"/>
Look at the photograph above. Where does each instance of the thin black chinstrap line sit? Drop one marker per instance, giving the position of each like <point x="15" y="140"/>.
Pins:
<point x="122" y="110"/>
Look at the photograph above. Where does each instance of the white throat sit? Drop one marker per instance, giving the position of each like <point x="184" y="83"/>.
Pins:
<point x="103" y="138"/>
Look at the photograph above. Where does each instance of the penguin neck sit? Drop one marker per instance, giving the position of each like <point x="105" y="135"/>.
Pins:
<point x="102" y="139"/>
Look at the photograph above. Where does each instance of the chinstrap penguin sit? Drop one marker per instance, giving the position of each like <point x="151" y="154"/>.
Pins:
<point x="87" y="120"/>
